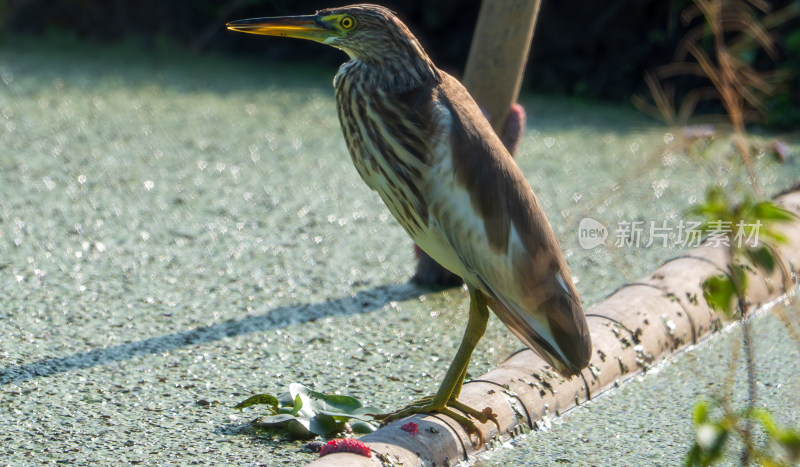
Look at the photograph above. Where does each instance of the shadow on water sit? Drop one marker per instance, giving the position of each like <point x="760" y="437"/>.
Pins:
<point x="364" y="301"/>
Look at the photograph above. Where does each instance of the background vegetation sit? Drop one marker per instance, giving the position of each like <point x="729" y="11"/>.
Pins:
<point x="591" y="49"/>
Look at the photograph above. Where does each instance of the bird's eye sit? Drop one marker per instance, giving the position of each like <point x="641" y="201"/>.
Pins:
<point x="347" y="22"/>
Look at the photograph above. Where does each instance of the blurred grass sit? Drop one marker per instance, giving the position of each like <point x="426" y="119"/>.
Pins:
<point x="164" y="194"/>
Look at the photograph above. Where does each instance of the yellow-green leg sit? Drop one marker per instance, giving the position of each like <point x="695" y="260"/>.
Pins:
<point x="450" y="388"/>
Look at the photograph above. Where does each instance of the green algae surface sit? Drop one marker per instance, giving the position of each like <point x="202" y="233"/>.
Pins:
<point x="180" y="232"/>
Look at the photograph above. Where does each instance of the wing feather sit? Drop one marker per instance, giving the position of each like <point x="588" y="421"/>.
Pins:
<point x="521" y="267"/>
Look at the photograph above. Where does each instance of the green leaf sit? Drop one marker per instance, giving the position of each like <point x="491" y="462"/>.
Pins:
<point x="767" y="211"/>
<point x="299" y="429"/>
<point x="715" y="207"/>
<point x="322" y="424"/>
<point x="761" y="257"/>
<point x="340" y="406"/>
<point x="362" y="427"/>
<point x="789" y="442"/>
<point x="275" y="420"/>
<point x="297" y="405"/>
<point x="719" y="292"/>
<point x="306" y="408"/>
<point x="343" y="417"/>
<point x="305" y="413"/>
<point x="775" y="236"/>
<point x="700" y="412"/>
<point x="259" y="399"/>
<point x="694" y="458"/>
<point x="765" y="418"/>
<point x="334" y="403"/>
<point x="366" y="414"/>
<point x="295" y="389"/>
<point x="285" y="399"/>
<point x="710" y="443"/>
<point x="785" y="440"/>
<point x="367" y="410"/>
<point x="303" y="404"/>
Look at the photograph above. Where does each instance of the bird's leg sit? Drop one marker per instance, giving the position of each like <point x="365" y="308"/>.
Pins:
<point x="459" y="384"/>
<point x="450" y="388"/>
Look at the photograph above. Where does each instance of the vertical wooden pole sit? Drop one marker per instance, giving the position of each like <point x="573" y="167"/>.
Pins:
<point x="497" y="56"/>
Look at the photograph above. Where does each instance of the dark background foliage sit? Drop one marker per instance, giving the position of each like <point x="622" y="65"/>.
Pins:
<point x="586" y="48"/>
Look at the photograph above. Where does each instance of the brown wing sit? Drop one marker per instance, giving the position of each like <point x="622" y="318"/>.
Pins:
<point x="521" y="267"/>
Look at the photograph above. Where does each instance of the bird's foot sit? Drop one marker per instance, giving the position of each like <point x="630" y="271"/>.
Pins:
<point x="428" y="405"/>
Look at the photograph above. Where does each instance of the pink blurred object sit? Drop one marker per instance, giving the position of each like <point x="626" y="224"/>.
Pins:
<point x="514" y="127"/>
<point x="345" y="445"/>
<point x="429" y="272"/>
<point x="780" y="150"/>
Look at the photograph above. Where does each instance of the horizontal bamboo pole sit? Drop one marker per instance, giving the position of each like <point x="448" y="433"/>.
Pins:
<point x="637" y="326"/>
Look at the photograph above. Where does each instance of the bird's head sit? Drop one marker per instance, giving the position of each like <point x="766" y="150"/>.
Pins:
<point x="369" y="33"/>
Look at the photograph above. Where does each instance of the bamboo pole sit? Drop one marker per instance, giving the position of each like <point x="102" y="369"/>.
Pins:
<point x="635" y="327"/>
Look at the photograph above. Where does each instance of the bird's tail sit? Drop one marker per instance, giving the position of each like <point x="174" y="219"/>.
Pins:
<point x="556" y="330"/>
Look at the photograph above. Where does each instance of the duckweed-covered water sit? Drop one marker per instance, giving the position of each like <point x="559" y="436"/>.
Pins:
<point x="177" y="233"/>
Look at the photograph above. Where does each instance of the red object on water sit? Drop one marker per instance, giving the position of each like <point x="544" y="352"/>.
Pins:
<point x="411" y="428"/>
<point x="345" y="445"/>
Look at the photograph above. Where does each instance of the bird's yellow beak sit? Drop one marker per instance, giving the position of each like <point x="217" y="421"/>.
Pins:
<point x="301" y="27"/>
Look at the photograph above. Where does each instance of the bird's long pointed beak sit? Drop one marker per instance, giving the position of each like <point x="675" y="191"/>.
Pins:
<point x="302" y="27"/>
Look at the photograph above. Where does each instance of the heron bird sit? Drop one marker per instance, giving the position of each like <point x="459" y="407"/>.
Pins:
<point x="418" y="138"/>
